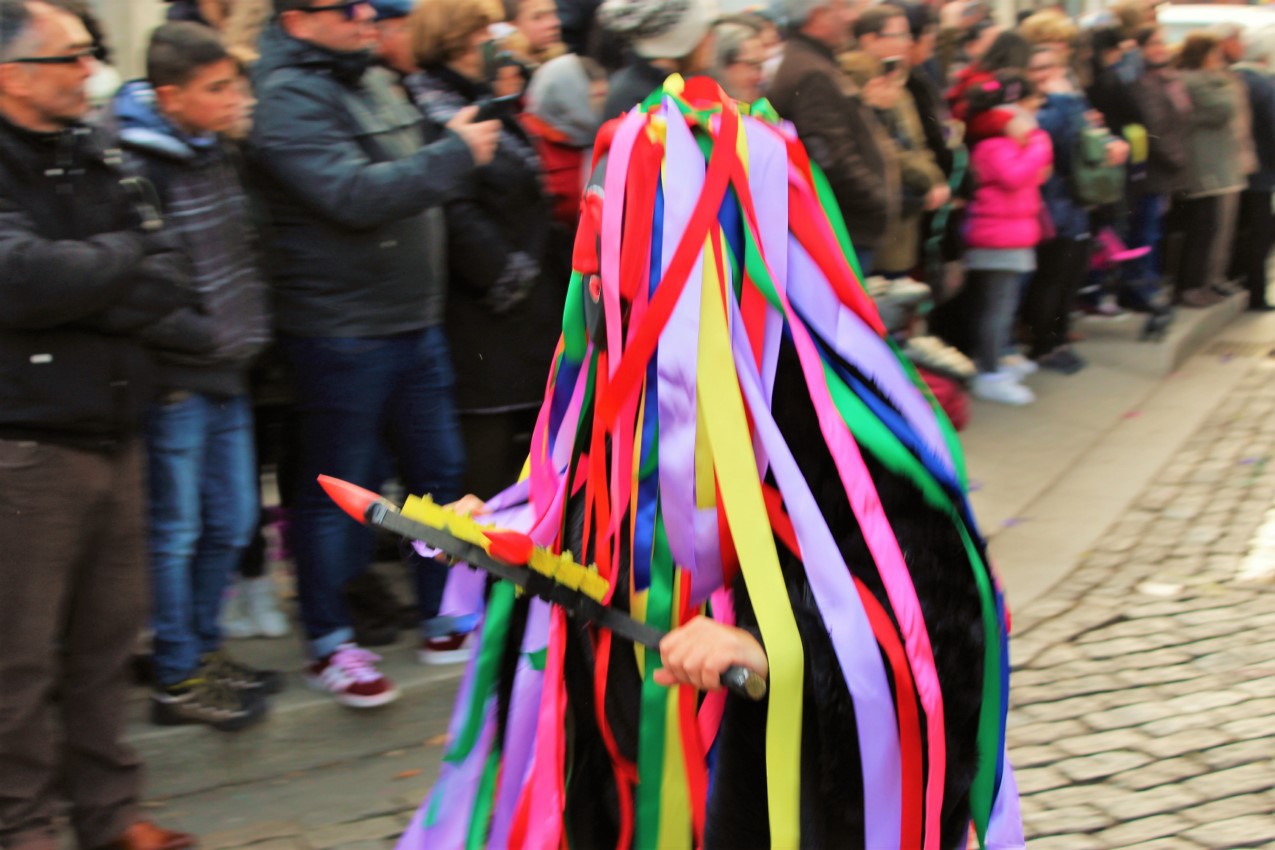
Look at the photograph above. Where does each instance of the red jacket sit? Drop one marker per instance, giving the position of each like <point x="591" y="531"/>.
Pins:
<point x="563" y="166"/>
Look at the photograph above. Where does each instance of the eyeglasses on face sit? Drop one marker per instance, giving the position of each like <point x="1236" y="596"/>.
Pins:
<point x="60" y="59"/>
<point x="349" y="9"/>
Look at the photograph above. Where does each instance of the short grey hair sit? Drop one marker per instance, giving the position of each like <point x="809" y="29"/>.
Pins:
<point x="1259" y="46"/>
<point x="730" y="39"/>
<point x="797" y="12"/>
<point x="17" y="27"/>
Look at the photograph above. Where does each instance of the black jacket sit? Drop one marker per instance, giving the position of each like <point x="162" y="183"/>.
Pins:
<point x="504" y="307"/>
<point x="355" y="245"/>
<point x="79" y="286"/>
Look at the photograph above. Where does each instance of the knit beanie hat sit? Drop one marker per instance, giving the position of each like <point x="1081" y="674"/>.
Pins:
<point x="659" y="29"/>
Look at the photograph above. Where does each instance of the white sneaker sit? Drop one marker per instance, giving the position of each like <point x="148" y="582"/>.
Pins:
<point x="236" y="619"/>
<point x="261" y="599"/>
<point x="1017" y="364"/>
<point x="1001" y="387"/>
<point x="349" y="675"/>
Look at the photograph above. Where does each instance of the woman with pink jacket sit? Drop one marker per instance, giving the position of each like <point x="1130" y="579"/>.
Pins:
<point x="1003" y="225"/>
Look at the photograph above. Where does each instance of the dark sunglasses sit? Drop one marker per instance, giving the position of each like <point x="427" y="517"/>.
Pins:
<point x="63" y="59"/>
<point x="349" y="8"/>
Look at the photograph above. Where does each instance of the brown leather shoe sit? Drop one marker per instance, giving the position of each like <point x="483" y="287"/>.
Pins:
<point x="145" y="835"/>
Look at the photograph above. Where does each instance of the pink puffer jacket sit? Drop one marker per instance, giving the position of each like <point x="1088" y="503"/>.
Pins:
<point x="1006" y="209"/>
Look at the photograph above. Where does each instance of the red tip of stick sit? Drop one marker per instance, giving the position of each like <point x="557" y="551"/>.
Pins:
<point x="351" y="498"/>
<point x="510" y="547"/>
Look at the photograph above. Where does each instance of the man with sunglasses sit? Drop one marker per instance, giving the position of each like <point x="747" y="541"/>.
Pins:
<point x="86" y="285"/>
<point x="356" y="254"/>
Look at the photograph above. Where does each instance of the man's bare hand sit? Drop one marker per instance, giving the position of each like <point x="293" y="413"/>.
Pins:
<point x="469" y="505"/>
<point x="1117" y="152"/>
<point x="882" y="92"/>
<point x="481" y="137"/>
<point x="938" y="195"/>
<point x="697" y="653"/>
<point x="508" y="81"/>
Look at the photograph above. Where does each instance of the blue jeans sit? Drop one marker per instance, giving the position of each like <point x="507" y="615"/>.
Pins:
<point x="357" y="397"/>
<point x="1146" y="226"/>
<point x="203" y="510"/>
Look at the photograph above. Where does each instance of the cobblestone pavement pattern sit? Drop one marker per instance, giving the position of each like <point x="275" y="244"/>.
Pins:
<point x="1143" y="697"/>
<point x="1144" y="686"/>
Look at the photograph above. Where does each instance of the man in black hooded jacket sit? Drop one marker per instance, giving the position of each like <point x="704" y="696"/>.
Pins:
<point x="84" y="291"/>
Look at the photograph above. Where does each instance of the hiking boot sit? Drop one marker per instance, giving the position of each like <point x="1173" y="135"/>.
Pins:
<point x="213" y="703"/>
<point x="220" y="667"/>
<point x="448" y="649"/>
<point x="349" y="676"/>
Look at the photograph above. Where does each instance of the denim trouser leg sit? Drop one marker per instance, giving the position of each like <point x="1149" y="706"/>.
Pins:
<point x="351" y="394"/>
<point x="1146" y="221"/>
<point x="1000" y="296"/>
<point x="203" y="504"/>
<point x="424" y="433"/>
<point x="231" y="503"/>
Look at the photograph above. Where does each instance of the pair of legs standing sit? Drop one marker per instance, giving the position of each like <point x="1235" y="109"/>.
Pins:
<point x="355" y="397"/>
<point x="203" y="509"/>
<point x="997" y="294"/>
<point x="72" y="601"/>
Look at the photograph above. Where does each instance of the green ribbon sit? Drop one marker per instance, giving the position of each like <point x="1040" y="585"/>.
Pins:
<point x="652" y="727"/>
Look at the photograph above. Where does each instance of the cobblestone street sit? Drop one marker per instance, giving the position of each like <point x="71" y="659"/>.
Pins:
<point x="1144" y="685"/>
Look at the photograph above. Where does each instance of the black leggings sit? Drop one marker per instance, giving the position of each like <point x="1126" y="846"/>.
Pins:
<point x="1062" y="266"/>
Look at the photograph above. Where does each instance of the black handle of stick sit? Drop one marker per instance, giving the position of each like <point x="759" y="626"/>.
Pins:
<point x="739" y="680"/>
<point x="744" y="682"/>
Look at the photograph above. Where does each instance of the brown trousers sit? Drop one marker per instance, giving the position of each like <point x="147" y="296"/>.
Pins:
<point x="72" y="599"/>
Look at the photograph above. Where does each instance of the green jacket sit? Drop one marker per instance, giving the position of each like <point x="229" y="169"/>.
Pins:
<point x="1213" y="164"/>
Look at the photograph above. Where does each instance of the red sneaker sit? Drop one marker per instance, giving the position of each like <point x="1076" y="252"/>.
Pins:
<point x="448" y="649"/>
<point x="351" y="677"/>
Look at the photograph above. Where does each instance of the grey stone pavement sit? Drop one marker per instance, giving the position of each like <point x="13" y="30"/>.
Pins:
<point x="1143" y="698"/>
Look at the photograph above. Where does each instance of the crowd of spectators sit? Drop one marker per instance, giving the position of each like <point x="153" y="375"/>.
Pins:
<point x="333" y="237"/>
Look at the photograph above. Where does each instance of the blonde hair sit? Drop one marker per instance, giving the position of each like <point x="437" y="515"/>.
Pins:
<point x="1048" y="26"/>
<point x="441" y="29"/>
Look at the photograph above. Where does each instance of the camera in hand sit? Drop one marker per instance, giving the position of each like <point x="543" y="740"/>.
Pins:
<point x="497" y="108"/>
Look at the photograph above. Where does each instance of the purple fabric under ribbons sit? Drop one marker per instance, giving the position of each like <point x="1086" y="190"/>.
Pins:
<point x="1005" y="826"/>
<point x="520" y="728"/>
<point x="453" y="796"/>
<point x="692" y="532"/>
<point x="829" y="577"/>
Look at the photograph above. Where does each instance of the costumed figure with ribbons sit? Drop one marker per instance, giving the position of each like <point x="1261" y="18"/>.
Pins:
<point x="733" y="446"/>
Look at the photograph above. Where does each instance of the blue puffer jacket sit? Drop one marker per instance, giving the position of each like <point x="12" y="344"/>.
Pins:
<point x="1060" y="116"/>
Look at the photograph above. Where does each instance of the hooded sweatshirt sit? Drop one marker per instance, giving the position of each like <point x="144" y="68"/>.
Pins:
<point x="204" y="207"/>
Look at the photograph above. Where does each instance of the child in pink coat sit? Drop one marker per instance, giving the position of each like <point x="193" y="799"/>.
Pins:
<point x="1004" y="223"/>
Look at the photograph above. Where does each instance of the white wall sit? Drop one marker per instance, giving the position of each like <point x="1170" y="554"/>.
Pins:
<point x="128" y="24"/>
